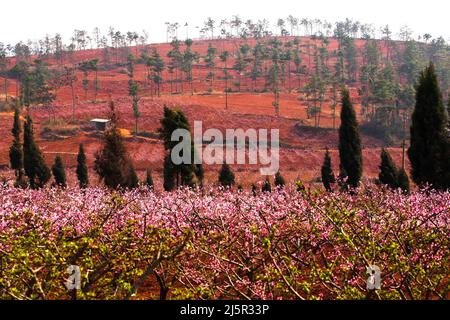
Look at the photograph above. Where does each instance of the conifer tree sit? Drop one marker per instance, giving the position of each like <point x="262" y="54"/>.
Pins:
<point x="112" y="162"/>
<point x="59" y="172"/>
<point x="279" y="180"/>
<point x="350" y="153"/>
<point x="403" y="180"/>
<point x="254" y="189"/>
<point x="169" y="174"/>
<point x="388" y="171"/>
<point x="267" y="187"/>
<point x="15" y="151"/>
<point x="226" y="176"/>
<point x="157" y="65"/>
<point x="82" y="170"/>
<point x="184" y="174"/>
<point x="429" y="151"/>
<point x="327" y="172"/>
<point x="149" y="179"/>
<point x="210" y="63"/>
<point x="132" y="176"/>
<point x="35" y="168"/>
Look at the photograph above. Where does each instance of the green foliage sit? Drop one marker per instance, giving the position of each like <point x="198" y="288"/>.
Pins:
<point x="133" y="178"/>
<point x="35" y="168"/>
<point x="266" y="187"/>
<point x="279" y="180"/>
<point x="350" y="153"/>
<point x="226" y="176"/>
<point x="429" y="151"/>
<point x="169" y="174"/>
<point x="112" y="162"/>
<point x="254" y="189"/>
<point x="403" y="180"/>
<point x="412" y="62"/>
<point x="15" y="151"/>
<point x="350" y="54"/>
<point x="82" y="169"/>
<point x="327" y="172"/>
<point x="34" y="83"/>
<point x="133" y="90"/>
<point x="184" y="174"/>
<point x="156" y="63"/>
<point x="59" y="172"/>
<point x="388" y="171"/>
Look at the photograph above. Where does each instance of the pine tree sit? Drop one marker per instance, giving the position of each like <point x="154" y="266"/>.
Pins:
<point x="403" y="180"/>
<point x="59" y="172"/>
<point x="157" y="65"/>
<point x="350" y="153"/>
<point x="112" y="162"/>
<point x="149" y="179"/>
<point x="184" y="174"/>
<point x="169" y="174"/>
<point x="15" y="151"/>
<point x="226" y="176"/>
<point x="254" y="189"/>
<point x="267" y="187"/>
<point x="279" y="180"/>
<point x="429" y="151"/>
<point x="82" y="170"/>
<point x="388" y="171"/>
<point x="327" y="172"/>
<point x="132" y="176"/>
<point x="35" y="168"/>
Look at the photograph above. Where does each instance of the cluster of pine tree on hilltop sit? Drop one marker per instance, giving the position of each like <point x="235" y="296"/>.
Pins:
<point x="429" y="152"/>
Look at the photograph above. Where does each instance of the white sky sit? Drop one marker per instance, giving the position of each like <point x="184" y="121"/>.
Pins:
<point x="32" y="19"/>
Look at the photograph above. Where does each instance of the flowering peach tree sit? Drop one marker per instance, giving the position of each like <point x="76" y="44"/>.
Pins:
<point x="219" y="244"/>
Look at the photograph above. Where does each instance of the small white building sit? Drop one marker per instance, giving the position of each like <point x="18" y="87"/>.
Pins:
<point x="100" y="124"/>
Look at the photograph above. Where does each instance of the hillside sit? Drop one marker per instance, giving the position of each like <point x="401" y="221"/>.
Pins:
<point x="303" y="140"/>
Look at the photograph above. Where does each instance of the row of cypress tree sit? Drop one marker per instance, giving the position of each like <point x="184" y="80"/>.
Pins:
<point x="28" y="162"/>
<point x="429" y="151"/>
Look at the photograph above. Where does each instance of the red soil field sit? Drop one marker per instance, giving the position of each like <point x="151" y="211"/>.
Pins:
<point x="302" y="146"/>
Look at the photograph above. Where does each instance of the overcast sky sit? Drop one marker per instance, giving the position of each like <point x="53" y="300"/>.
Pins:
<point x="32" y="19"/>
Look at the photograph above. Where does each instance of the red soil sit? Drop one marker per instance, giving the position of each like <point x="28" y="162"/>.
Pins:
<point x="301" y="151"/>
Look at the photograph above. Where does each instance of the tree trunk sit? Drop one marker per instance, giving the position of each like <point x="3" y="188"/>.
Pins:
<point x="73" y="101"/>
<point x="6" y="89"/>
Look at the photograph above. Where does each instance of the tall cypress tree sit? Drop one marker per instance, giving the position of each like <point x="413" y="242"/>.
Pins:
<point x="169" y="174"/>
<point x="429" y="151"/>
<point x="350" y="153"/>
<point x="35" y="168"/>
<point x="59" y="172"/>
<point x="112" y="162"/>
<point x="82" y="170"/>
<point x="403" y="180"/>
<point x="15" y="151"/>
<point x="267" y="187"/>
<point x="226" y="176"/>
<point x="279" y="180"/>
<point x="175" y="175"/>
<point x="388" y="171"/>
<point x="327" y="172"/>
<point x="133" y="178"/>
